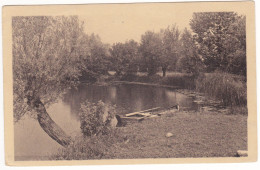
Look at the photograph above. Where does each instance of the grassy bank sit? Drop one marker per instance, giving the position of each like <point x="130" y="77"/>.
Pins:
<point x="180" y="80"/>
<point x="194" y="135"/>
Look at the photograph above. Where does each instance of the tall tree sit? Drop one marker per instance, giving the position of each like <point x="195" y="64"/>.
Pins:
<point x="170" y="47"/>
<point x="46" y="62"/>
<point x="96" y="58"/>
<point x="125" y="57"/>
<point x="221" y="39"/>
<point x="151" y="50"/>
<point x="190" y="59"/>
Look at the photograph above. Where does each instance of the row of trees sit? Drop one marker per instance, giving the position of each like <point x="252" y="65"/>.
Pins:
<point x="217" y="42"/>
<point x="50" y="55"/>
<point x="156" y="50"/>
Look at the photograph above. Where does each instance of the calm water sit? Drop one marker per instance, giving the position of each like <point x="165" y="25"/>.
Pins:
<point x="31" y="142"/>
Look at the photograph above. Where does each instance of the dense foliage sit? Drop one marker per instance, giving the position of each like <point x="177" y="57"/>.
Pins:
<point x="221" y="38"/>
<point x="95" y="59"/>
<point x="150" y="48"/>
<point x="96" y="118"/>
<point x="190" y="60"/>
<point x="170" y="48"/>
<point x="46" y="59"/>
<point x="125" y="57"/>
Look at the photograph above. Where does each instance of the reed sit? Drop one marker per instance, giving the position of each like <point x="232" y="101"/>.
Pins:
<point x="230" y="89"/>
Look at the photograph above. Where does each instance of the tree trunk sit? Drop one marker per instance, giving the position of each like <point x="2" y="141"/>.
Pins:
<point x="164" y="71"/>
<point x="49" y="126"/>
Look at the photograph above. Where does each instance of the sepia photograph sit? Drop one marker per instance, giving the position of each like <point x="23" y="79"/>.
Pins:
<point x="130" y="81"/>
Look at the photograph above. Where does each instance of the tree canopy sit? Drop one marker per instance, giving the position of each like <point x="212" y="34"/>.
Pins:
<point x="46" y="59"/>
<point x="170" y="47"/>
<point x="95" y="59"/>
<point x="125" y="57"/>
<point x="150" y="48"/>
<point x="221" y="38"/>
<point x="190" y="60"/>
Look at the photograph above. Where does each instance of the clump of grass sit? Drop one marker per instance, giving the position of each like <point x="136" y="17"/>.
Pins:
<point x="94" y="147"/>
<point x="230" y="89"/>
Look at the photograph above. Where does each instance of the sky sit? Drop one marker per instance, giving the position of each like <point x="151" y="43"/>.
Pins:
<point x="119" y="23"/>
<point x="127" y="22"/>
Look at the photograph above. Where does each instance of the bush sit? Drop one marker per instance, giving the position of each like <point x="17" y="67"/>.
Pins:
<point x="96" y="119"/>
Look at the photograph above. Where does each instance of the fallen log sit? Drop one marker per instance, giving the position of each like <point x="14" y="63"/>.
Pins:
<point x="143" y="111"/>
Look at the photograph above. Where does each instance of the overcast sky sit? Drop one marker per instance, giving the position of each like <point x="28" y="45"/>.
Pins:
<point x="118" y="23"/>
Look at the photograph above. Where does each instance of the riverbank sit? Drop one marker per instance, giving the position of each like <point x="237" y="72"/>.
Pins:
<point x="229" y="89"/>
<point x="194" y="134"/>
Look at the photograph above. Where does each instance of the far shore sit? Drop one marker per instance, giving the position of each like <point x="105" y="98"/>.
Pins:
<point x="147" y="84"/>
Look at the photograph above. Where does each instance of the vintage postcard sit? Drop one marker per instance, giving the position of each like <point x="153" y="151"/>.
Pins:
<point x="132" y="83"/>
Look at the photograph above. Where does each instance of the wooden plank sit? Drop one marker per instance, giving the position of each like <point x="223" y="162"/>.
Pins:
<point x="135" y="113"/>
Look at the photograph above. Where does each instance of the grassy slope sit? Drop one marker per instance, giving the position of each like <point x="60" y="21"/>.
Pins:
<point x="194" y="135"/>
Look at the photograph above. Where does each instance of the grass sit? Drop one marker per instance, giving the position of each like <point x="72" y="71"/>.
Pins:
<point x="194" y="135"/>
<point x="203" y="135"/>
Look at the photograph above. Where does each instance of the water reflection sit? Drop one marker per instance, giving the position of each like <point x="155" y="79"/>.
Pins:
<point x="127" y="97"/>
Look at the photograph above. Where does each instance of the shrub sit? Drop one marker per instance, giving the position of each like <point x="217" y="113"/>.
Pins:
<point x="96" y="118"/>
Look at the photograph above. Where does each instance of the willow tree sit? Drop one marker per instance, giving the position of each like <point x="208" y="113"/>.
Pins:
<point x="46" y="63"/>
<point x="170" y="47"/>
<point x="124" y="57"/>
<point x="151" y="50"/>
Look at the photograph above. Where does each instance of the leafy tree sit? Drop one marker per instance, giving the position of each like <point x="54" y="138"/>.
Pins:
<point x="170" y="47"/>
<point x="46" y="62"/>
<point x="96" y="58"/>
<point x="151" y="50"/>
<point x="190" y="59"/>
<point x="222" y="40"/>
<point x="125" y="57"/>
